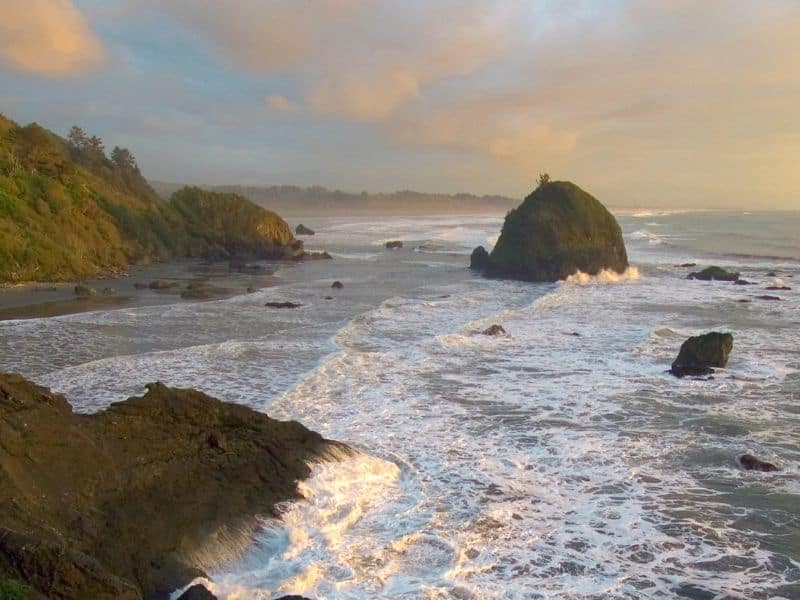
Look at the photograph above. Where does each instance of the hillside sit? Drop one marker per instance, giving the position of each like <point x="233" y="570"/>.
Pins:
<point x="68" y="211"/>
<point x="316" y="200"/>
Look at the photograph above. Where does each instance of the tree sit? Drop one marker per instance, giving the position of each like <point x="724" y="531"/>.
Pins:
<point x="544" y="179"/>
<point x="123" y="159"/>
<point x="77" y="139"/>
<point x="96" y="146"/>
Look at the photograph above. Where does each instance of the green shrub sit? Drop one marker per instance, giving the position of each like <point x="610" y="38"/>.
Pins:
<point x="11" y="589"/>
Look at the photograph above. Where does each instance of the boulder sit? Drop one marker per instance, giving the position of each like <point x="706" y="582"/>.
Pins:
<point x="753" y="463"/>
<point x="479" y="259"/>
<point x="285" y="304"/>
<point x="699" y="354"/>
<point x="394" y="244"/>
<point x="714" y="274"/>
<point x="558" y="229"/>
<point x="197" y="592"/>
<point x="116" y="504"/>
<point x="337" y="285"/>
<point x="84" y="291"/>
<point x="303" y="230"/>
<point x="494" y="330"/>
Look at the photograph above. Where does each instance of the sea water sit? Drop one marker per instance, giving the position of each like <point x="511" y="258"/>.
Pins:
<point x="558" y="461"/>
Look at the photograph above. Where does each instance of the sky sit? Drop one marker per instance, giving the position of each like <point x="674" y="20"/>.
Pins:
<point x="671" y="103"/>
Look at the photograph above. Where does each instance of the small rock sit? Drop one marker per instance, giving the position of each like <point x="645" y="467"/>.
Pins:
<point x="777" y="288"/>
<point x="768" y="297"/>
<point x="700" y="353"/>
<point x="328" y="297"/>
<point x="293" y="597"/>
<point x="283" y="304"/>
<point x="743" y="300"/>
<point x="217" y="441"/>
<point x="197" y="592"/>
<point x="714" y="274"/>
<point x="303" y="230"/>
<point x="84" y="291"/>
<point x="686" y="265"/>
<point x="772" y="274"/>
<point x="753" y="463"/>
<point x="743" y="282"/>
<point x="479" y="259"/>
<point x="394" y="244"/>
<point x="337" y="285"/>
<point x="494" y="330"/>
<point x="109" y="291"/>
<point x="251" y="289"/>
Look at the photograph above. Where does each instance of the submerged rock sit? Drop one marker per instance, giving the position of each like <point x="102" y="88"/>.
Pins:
<point x="285" y="304"/>
<point x="558" y="230"/>
<point x="115" y="504"/>
<point x="714" y="274"/>
<point x="303" y="230"/>
<point x="753" y="463"/>
<point x="394" y="244"/>
<point x="494" y="330"/>
<point x="479" y="259"/>
<point x="699" y="354"/>
<point x="84" y="291"/>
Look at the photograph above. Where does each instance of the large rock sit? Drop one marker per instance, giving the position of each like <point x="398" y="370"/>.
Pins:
<point x="122" y="503"/>
<point x="303" y="230"/>
<point x="699" y="354"/>
<point x="557" y="230"/>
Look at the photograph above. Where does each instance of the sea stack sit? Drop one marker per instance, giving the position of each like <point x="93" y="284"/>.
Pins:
<point x="558" y="230"/>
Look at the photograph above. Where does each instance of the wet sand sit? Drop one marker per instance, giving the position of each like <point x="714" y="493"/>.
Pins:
<point x="37" y="300"/>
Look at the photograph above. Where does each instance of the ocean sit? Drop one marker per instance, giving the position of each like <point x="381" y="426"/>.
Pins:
<point x="559" y="461"/>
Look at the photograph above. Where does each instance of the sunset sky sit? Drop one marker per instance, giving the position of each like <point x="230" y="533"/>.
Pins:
<point x="673" y="103"/>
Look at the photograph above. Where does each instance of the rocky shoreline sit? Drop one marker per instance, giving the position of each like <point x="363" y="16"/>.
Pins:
<point x="135" y="501"/>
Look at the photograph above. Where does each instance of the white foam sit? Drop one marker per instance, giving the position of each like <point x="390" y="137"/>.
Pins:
<point x="605" y="276"/>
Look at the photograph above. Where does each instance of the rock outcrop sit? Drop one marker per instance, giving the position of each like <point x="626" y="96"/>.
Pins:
<point x="119" y="504"/>
<point x="303" y="230"/>
<point x="479" y="259"/>
<point x="700" y="354"/>
<point x="558" y="230"/>
<point x="714" y="274"/>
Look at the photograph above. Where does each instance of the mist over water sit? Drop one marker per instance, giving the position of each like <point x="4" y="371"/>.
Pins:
<point x="560" y="461"/>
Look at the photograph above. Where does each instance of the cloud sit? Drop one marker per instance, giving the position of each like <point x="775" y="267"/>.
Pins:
<point x="281" y="103"/>
<point x="47" y="37"/>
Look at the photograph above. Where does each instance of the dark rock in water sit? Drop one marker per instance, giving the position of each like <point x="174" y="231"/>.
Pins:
<point x="700" y="353"/>
<point x="294" y="251"/>
<point x="140" y="285"/>
<point x="743" y="300"/>
<point x="251" y="289"/>
<point x="197" y="592"/>
<point x="109" y="291"/>
<point x="743" y="282"/>
<point x="687" y="265"/>
<point x="779" y="288"/>
<point x="753" y="463"/>
<point x="293" y="597"/>
<point x="161" y="284"/>
<point x="772" y="274"/>
<point x="337" y="285"/>
<point x="714" y="274"/>
<point x="557" y="230"/>
<point x="479" y="259"/>
<point x="317" y="256"/>
<point x="111" y="505"/>
<point x="494" y="330"/>
<point x="768" y="297"/>
<point x="328" y="297"/>
<point x="84" y="291"/>
<point x="283" y="304"/>
<point x="303" y="230"/>
<point x="394" y="244"/>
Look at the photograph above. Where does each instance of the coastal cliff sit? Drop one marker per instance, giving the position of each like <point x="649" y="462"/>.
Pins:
<point x="134" y="501"/>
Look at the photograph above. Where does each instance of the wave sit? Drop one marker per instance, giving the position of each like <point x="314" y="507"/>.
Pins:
<point x="605" y="276"/>
<point x="644" y="234"/>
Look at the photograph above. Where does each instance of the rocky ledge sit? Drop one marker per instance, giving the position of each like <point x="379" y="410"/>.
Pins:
<point x="133" y="502"/>
<point x="557" y="230"/>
